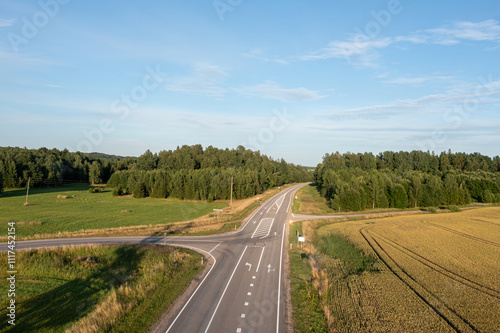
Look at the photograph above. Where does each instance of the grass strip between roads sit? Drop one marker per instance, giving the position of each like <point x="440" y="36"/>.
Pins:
<point x="96" y="288"/>
<point x="307" y="311"/>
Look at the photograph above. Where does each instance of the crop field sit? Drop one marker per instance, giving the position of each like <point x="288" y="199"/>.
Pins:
<point x="420" y="273"/>
<point x="73" y="209"/>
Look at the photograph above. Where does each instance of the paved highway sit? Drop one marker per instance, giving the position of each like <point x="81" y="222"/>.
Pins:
<point x="243" y="290"/>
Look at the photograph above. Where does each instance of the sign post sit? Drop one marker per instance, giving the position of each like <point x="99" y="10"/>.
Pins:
<point x="301" y="240"/>
<point x="218" y="210"/>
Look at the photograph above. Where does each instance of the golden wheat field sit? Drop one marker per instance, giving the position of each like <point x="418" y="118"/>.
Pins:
<point x="432" y="273"/>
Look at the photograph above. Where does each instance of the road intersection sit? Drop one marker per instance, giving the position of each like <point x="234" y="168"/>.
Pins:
<point x="243" y="288"/>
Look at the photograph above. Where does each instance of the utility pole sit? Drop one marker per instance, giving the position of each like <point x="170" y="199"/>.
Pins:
<point x="27" y="191"/>
<point x="231" y="202"/>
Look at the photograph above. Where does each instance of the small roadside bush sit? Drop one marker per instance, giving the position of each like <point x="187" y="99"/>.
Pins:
<point x="432" y="210"/>
<point x="95" y="190"/>
<point x="454" y="209"/>
<point x="117" y="192"/>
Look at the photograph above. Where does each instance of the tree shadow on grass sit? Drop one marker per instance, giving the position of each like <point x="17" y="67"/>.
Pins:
<point x="53" y="310"/>
<point x="43" y="189"/>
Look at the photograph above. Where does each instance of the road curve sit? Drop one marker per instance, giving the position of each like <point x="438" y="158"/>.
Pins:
<point x="243" y="290"/>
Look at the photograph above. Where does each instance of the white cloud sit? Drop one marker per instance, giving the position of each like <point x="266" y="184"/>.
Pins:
<point x="270" y="90"/>
<point x="205" y="79"/>
<point x="6" y="22"/>
<point x="361" y="50"/>
<point x="468" y="99"/>
<point x="357" y="47"/>
<point x="417" y="80"/>
<point x="259" y="54"/>
<point x="53" y="85"/>
<point x="488" y="30"/>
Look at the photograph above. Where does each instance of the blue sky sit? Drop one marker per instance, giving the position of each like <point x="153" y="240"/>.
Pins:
<point x="293" y="79"/>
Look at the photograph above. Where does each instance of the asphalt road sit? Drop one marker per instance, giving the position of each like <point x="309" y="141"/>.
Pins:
<point x="243" y="290"/>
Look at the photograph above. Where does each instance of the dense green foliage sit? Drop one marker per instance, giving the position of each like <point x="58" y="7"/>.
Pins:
<point x="403" y="180"/>
<point x="51" y="166"/>
<point x="190" y="172"/>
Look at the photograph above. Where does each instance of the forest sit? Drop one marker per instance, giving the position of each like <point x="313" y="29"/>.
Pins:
<point x="353" y="182"/>
<point x="188" y="172"/>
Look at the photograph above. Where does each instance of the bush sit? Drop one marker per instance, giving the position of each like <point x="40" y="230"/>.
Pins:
<point x="117" y="191"/>
<point x="454" y="209"/>
<point x="95" y="190"/>
<point x="432" y="210"/>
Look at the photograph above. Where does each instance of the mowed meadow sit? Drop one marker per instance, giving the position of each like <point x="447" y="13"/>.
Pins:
<point x="72" y="208"/>
<point x="419" y="273"/>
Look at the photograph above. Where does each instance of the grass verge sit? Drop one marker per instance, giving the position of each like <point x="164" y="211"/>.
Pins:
<point x="96" y="288"/>
<point x="307" y="311"/>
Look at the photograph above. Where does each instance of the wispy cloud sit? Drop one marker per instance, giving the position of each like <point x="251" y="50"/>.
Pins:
<point x="361" y="50"/>
<point x="259" y="54"/>
<point x="205" y="79"/>
<point x="6" y="22"/>
<point x="415" y="81"/>
<point x="271" y="90"/>
<point x="53" y="85"/>
<point x="478" y="94"/>
<point x="488" y="30"/>
<point x="11" y="59"/>
<point x="356" y="47"/>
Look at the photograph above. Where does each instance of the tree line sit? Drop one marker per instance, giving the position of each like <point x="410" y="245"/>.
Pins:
<point x="353" y="182"/>
<point x="50" y="166"/>
<point x="189" y="172"/>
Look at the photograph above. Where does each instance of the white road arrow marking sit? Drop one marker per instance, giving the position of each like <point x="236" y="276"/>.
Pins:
<point x="249" y="266"/>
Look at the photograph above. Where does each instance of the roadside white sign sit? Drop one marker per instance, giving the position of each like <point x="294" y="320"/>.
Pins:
<point x="302" y="239"/>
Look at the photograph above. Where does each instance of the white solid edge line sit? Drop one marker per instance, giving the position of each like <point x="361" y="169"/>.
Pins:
<point x="225" y="289"/>
<point x="279" y="281"/>
<point x="185" y="305"/>
<point x="258" y="265"/>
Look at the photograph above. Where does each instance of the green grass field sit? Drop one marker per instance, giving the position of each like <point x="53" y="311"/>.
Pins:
<point x="48" y="214"/>
<point x="310" y="202"/>
<point x="96" y="288"/>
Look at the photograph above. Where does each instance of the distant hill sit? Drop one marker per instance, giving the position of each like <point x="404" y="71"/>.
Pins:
<point x="113" y="158"/>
